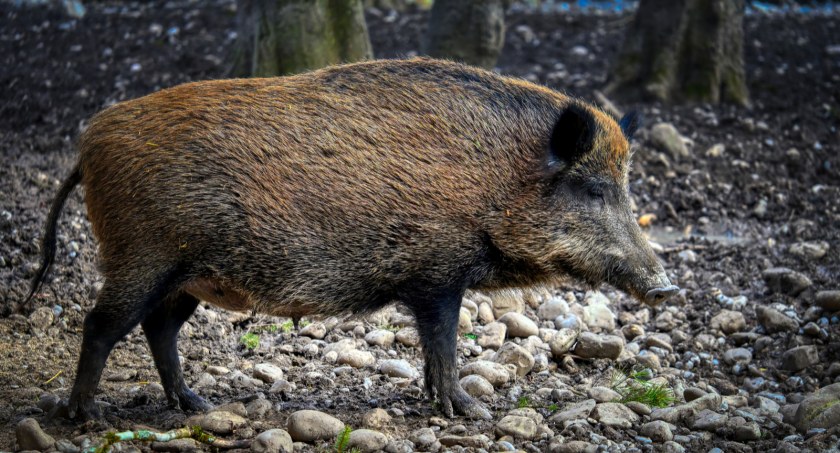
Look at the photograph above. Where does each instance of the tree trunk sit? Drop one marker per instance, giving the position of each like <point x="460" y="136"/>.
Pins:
<point x="278" y="37"/>
<point x="683" y="51"/>
<point x="470" y="31"/>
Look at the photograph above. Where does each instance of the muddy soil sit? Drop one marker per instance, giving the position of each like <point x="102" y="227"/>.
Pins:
<point x="723" y="215"/>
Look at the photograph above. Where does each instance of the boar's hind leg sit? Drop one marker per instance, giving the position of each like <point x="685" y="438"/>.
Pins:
<point x="161" y="327"/>
<point x="437" y="323"/>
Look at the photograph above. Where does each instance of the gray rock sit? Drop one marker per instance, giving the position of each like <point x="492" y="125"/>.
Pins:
<point x="562" y="342"/>
<point x="381" y="338"/>
<point x="592" y="346"/>
<point x="41" y="318"/>
<point x="575" y="411"/>
<point x="603" y="394"/>
<point x="408" y="336"/>
<point x="665" y="137"/>
<point x="477" y="386"/>
<point x="692" y="393"/>
<point x="684" y="412"/>
<point x="786" y="281"/>
<point x="820" y="409"/>
<point x="657" y="430"/>
<point x="258" y="408"/>
<point x="516" y="426"/>
<point x="492" y="335"/>
<point x="366" y="440"/>
<point x="552" y="308"/>
<point x="272" y="441"/>
<point x="476" y="442"/>
<point x="829" y="300"/>
<point x="423" y="439"/>
<point x="775" y="321"/>
<point x="309" y="426"/>
<point x="561" y="445"/>
<point x="810" y="250"/>
<point x="316" y="330"/>
<point x="746" y="432"/>
<point x="799" y="358"/>
<point x="268" y="372"/>
<point x="30" y="436"/>
<point x="518" y="325"/>
<point x="399" y="446"/>
<point x="495" y="373"/>
<point x="708" y="420"/>
<point x="376" y="419"/>
<point x="464" y="321"/>
<point x="615" y="415"/>
<point x="737" y="355"/>
<point x="639" y="408"/>
<point x="517" y="356"/>
<point x="218" y="421"/>
<point x="728" y="321"/>
<point x="398" y="368"/>
<point x="355" y="358"/>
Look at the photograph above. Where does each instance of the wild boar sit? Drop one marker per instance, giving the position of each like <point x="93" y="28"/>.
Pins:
<point x="343" y="190"/>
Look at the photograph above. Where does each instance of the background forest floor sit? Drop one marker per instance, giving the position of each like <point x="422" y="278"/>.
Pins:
<point x="767" y="198"/>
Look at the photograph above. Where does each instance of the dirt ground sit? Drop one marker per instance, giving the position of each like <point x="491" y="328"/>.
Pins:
<point x="722" y="219"/>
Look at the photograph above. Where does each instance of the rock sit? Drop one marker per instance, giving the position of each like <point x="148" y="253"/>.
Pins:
<point x="775" y="321"/>
<point x="631" y="331"/>
<point x="495" y="373"/>
<point x="366" y="440"/>
<point x="747" y="431"/>
<point x="513" y="354"/>
<point x="810" y="250"/>
<point x="309" y="426"/>
<point x="477" y="386"/>
<point x="398" y="368"/>
<point x="272" y="441"/>
<point x="820" y="409"/>
<point x="381" y="338"/>
<point x="518" y="325"/>
<point x="464" y="321"/>
<point x="424" y="439"/>
<point x="692" y="393"/>
<point x="493" y="335"/>
<point x="552" y="308"/>
<point x="376" y="419"/>
<point x="603" y="394"/>
<point x="665" y="322"/>
<point x="282" y="386"/>
<point x="708" y="420"/>
<point x="30" y="436"/>
<point x="678" y="414"/>
<point x="639" y="408"/>
<point x="561" y="445"/>
<point x="216" y="370"/>
<point x="829" y="300"/>
<point x="485" y="313"/>
<point x="597" y="314"/>
<point x="41" y="318"/>
<point x="355" y="358"/>
<point x="592" y="346"/>
<point x="786" y="281"/>
<point x="659" y="341"/>
<point x="408" y="336"/>
<point x="657" y="431"/>
<point x="316" y="330"/>
<point x="219" y="421"/>
<point x="268" y="372"/>
<point x="258" y="408"/>
<point x="506" y="302"/>
<point x="575" y="411"/>
<point x="479" y="441"/>
<point x="516" y="426"/>
<point x="728" y="322"/>
<point x="665" y="137"/>
<point x="615" y="415"/>
<point x="799" y="358"/>
<point x="562" y="342"/>
<point x="737" y="355"/>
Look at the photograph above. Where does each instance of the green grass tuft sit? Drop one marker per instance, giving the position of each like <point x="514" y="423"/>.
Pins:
<point x="250" y="340"/>
<point x="470" y="336"/>
<point x="636" y="386"/>
<point x="523" y="402"/>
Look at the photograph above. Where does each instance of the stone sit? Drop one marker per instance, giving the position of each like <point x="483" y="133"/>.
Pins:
<point x="552" y="308"/>
<point x="316" y="330"/>
<point x="424" y="439"/>
<point x="282" y="386"/>
<point x="829" y="300"/>
<point x="737" y="355"/>
<point x="631" y="331"/>
<point x="561" y="445"/>
<point x="513" y="354"/>
<point x="615" y="415"/>
<point x="562" y="341"/>
<point x="376" y="419"/>
<point x="598" y="316"/>
<point x="310" y="426"/>
<point x="810" y="250"/>
<point x="746" y="432"/>
<point x="485" y="313"/>
<point x="268" y="372"/>
<point x="257" y="408"/>
<point x="30" y="436"/>
<point x="355" y="358"/>
<point x="398" y="368"/>
<point x="664" y="136"/>
<point x="380" y="337"/>
<point x="366" y="440"/>
<point x="799" y="358"/>
<point x="786" y="281"/>
<point x="774" y="320"/>
<point x="506" y="302"/>
<point x="493" y="335"/>
<point x="592" y="346"/>
<point x="518" y="325"/>
<point x="516" y="426"/>
<point x="41" y="318"/>
<point x="408" y="336"/>
<point x="728" y="322"/>
<point x="272" y="441"/>
<point x="479" y="441"/>
<point x="603" y="394"/>
<point x="575" y="411"/>
<point x="679" y="414"/>
<point x="464" y="321"/>
<point x="495" y="373"/>
<point x="219" y="421"/>
<point x="657" y="431"/>
<point x="820" y="409"/>
<point x="639" y="408"/>
<point x="693" y="393"/>
<point x="708" y="420"/>
<point x="476" y="386"/>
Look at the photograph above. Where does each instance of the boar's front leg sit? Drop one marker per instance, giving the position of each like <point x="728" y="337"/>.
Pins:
<point x="437" y="322"/>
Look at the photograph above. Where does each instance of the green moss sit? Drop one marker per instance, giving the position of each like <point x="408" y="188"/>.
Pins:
<point x="819" y="410"/>
<point x="250" y="340"/>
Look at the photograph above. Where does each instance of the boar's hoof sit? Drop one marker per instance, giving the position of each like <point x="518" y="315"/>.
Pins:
<point x="190" y="402"/>
<point x="658" y="295"/>
<point x="83" y="410"/>
<point x="464" y="404"/>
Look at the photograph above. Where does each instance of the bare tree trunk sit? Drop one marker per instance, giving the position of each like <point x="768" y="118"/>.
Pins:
<point x="470" y="31"/>
<point x="277" y="37"/>
<point x="683" y="51"/>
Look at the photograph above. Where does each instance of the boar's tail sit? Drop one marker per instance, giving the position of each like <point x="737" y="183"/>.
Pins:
<point x="48" y="241"/>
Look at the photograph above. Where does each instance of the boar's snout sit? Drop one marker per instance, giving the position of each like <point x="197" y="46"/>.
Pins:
<point x="658" y="295"/>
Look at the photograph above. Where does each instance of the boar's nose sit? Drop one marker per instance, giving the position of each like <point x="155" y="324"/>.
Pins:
<point x="658" y="295"/>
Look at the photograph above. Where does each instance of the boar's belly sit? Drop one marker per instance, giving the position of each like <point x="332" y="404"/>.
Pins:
<point x="228" y="297"/>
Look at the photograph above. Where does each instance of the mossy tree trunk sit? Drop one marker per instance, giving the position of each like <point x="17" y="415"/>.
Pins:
<point x="683" y="51"/>
<point x="279" y="37"/>
<point x="469" y="31"/>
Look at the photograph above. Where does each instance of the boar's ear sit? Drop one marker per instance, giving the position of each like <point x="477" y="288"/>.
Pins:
<point x="630" y="123"/>
<point x="572" y="137"/>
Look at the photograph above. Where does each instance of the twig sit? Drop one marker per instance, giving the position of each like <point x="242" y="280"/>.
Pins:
<point x="193" y="432"/>
<point x="54" y="376"/>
